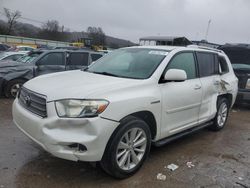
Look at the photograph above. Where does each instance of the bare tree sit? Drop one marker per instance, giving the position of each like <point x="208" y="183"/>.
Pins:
<point x="12" y="18"/>
<point x="53" y="31"/>
<point x="97" y="35"/>
<point x="51" y="26"/>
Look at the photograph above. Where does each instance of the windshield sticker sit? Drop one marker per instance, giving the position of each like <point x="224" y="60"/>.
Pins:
<point x="154" y="52"/>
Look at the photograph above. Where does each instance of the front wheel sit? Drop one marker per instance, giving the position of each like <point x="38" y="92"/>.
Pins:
<point x="221" y="115"/>
<point x="127" y="149"/>
<point x="13" y="87"/>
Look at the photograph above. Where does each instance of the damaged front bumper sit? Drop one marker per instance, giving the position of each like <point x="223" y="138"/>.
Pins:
<point x="62" y="136"/>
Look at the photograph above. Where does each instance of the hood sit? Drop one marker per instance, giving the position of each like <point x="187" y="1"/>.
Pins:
<point x="10" y="64"/>
<point x="78" y="84"/>
<point x="13" y="68"/>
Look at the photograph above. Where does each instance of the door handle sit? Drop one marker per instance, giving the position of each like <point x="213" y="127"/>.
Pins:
<point x="196" y="87"/>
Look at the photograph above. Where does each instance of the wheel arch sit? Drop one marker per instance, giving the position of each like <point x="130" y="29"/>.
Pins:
<point x="228" y="96"/>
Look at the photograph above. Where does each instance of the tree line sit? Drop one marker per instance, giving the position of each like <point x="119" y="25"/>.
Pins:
<point x="50" y="30"/>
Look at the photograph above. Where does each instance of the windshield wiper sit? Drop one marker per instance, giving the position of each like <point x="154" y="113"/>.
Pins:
<point x="84" y="68"/>
<point x="106" y="73"/>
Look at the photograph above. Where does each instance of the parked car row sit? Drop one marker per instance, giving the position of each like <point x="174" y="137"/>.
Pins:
<point x="13" y="74"/>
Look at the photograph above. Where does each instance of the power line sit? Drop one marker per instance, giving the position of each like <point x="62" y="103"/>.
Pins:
<point x="28" y="19"/>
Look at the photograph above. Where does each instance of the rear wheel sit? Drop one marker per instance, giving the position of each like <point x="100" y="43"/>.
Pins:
<point x="13" y="87"/>
<point x="221" y="115"/>
<point x="127" y="149"/>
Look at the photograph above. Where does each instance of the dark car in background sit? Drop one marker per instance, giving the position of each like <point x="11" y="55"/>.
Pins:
<point x="4" y="47"/>
<point x="239" y="55"/>
<point x="38" y="62"/>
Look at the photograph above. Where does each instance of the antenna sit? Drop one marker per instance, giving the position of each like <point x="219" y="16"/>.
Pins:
<point x="208" y="26"/>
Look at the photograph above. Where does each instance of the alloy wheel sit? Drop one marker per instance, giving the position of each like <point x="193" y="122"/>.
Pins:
<point x="131" y="148"/>
<point x="222" y="114"/>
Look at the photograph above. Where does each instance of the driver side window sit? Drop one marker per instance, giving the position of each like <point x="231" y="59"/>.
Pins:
<point x="184" y="61"/>
<point x="52" y="59"/>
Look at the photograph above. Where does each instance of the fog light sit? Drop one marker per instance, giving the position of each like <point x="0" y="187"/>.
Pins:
<point x="78" y="147"/>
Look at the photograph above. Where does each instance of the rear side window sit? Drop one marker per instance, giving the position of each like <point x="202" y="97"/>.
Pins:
<point x="223" y="65"/>
<point x="52" y="59"/>
<point x="184" y="61"/>
<point x="94" y="57"/>
<point x="208" y="64"/>
<point x="79" y="59"/>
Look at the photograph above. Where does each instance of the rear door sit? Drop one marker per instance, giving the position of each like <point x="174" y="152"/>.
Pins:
<point x="208" y="64"/>
<point x="51" y="62"/>
<point x="77" y="60"/>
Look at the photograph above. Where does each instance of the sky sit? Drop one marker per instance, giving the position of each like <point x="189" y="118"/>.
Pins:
<point x="132" y="19"/>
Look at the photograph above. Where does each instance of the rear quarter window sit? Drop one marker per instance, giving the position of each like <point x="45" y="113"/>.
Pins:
<point x="223" y="65"/>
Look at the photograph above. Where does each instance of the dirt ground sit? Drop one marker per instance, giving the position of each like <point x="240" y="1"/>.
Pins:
<point x="221" y="159"/>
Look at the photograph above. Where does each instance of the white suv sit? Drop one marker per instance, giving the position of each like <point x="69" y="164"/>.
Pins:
<point x="131" y="98"/>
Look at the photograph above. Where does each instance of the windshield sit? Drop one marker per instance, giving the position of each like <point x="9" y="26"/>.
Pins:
<point x="137" y="63"/>
<point x="28" y="58"/>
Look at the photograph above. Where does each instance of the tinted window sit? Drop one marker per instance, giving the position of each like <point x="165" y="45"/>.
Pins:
<point x="223" y="65"/>
<point x="184" y="61"/>
<point x="52" y="59"/>
<point x="94" y="57"/>
<point x="207" y="64"/>
<point x="79" y="59"/>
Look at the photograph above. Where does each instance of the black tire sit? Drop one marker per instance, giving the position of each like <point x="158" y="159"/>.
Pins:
<point x="221" y="103"/>
<point x="8" y="91"/>
<point x="109" y="162"/>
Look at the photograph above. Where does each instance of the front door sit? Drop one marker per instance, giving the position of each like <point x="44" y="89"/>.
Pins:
<point x="51" y="62"/>
<point x="181" y="100"/>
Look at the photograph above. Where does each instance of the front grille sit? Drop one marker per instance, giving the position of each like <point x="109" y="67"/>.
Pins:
<point x="34" y="102"/>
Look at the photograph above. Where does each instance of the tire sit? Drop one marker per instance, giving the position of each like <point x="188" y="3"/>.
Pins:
<point x="221" y="117"/>
<point x="124" y="157"/>
<point x="12" y="87"/>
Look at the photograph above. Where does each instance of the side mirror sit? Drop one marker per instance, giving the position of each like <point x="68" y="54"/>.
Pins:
<point x="177" y="75"/>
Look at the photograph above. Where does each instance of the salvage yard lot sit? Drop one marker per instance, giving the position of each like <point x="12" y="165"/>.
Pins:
<point x="221" y="159"/>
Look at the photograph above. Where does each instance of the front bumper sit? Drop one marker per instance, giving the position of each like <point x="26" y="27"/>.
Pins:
<point x="243" y="96"/>
<point x="56" y="134"/>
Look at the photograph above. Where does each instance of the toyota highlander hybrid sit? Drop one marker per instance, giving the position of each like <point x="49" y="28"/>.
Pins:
<point x="114" y="110"/>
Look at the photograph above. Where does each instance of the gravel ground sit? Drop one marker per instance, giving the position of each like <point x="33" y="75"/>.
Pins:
<point x="221" y="159"/>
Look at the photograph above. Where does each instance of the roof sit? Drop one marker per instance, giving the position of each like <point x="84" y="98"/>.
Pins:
<point x="235" y="45"/>
<point x="162" y="38"/>
<point x="168" y="48"/>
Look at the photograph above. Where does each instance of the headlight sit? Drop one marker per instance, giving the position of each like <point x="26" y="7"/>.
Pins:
<point x="248" y="84"/>
<point x="74" y="108"/>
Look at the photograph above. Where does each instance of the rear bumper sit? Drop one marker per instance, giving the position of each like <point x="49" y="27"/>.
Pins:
<point x="243" y="96"/>
<point x="56" y="134"/>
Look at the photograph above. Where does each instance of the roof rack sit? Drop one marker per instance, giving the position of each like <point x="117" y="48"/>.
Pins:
<point x="204" y="48"/>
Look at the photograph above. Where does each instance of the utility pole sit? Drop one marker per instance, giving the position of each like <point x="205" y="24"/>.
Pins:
<point x="208" y="26"/>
